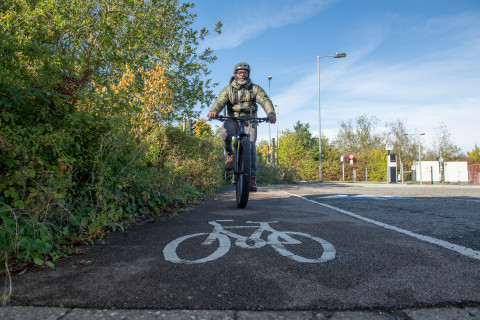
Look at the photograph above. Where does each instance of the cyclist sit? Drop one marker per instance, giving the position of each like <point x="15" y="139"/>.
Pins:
<point x="241" y="97"/>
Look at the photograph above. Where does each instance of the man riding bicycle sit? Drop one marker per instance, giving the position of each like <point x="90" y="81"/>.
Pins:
<point x="241" y="97"/>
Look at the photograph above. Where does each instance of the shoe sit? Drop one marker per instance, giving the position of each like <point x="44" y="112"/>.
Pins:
<point x="253" y="185"/>
<point x="229" y="163"/>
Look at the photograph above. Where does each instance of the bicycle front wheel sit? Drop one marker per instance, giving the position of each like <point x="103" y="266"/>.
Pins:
<point x="242" y="180"/>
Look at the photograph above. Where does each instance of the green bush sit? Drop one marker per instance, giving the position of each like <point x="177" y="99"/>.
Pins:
<point x="68" y="176"/>
<point x="268" y="174"/>
<point x="278" y="174"/>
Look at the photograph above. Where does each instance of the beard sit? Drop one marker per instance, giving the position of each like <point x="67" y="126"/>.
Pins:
<point x="241" y="81"/>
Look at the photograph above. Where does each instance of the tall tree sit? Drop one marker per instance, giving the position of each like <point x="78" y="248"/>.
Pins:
<point x="305" y="136"/>
<point x="359" y="137"/>
<point x="443" y="145"/>
<point x="404" y="145"/>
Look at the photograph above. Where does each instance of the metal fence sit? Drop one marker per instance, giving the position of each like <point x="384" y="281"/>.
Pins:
<point x="474" y="173"/>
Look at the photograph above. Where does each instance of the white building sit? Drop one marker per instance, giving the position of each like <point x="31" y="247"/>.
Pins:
<point x="456" y="172"/>
<point x="430" y="171"/>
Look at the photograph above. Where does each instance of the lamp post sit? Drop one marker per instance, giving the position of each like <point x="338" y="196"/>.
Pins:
<point x="320" y="174"/>
<point x="419" y="153"/>
<point x="278" y="152"/>
<point x="269" y="135"/>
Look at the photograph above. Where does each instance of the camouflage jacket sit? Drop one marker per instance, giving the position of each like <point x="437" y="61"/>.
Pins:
<point x="244" y="106"/>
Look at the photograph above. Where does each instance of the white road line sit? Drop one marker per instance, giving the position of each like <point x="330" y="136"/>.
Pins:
<point x="450" y="246"/>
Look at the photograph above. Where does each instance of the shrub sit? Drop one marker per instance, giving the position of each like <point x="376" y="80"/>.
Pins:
<point x="268" y="174"/>
<point x="69" y="177"/>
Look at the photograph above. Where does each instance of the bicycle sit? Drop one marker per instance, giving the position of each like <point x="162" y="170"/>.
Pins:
<point x="276" y="239"/>
<point x="242" y="159"/>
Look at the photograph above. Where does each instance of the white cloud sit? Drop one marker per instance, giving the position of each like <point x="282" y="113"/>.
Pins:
<point x="262" y="16"/>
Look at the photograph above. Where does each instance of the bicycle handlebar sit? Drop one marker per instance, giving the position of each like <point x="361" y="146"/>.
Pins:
<point x="242" y="119"/>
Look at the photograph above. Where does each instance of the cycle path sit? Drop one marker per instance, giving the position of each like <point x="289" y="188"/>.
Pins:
<point x="373" y="268"/>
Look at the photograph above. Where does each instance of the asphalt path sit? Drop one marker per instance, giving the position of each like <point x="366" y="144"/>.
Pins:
<point x="382" y="247"/>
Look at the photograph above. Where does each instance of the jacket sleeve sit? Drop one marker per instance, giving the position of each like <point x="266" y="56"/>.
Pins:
<point x="264" y="100"/>
<point x="221" y="101"/>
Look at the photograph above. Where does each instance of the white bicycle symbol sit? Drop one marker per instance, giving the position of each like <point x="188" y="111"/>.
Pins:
<point x="276" y="239"/>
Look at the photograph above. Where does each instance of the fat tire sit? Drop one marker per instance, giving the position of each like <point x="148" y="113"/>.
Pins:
<point x="242" y="180"/>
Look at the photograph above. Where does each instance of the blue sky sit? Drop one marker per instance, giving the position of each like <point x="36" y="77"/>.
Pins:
<point x="413" y="60"/>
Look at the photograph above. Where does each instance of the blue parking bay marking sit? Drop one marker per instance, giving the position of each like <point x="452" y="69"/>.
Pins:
<point x="370" y="197"/>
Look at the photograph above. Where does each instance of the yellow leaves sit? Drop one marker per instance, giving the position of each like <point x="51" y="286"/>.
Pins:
<point x="127" y="80"/>
<point x="141" y="96"/>
<point x="156" y="93"/>
<point x="202" y="128"/>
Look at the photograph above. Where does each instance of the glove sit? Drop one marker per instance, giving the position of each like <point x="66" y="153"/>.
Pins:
<point x="212" y="115"/>
<point x="272" y="118"/>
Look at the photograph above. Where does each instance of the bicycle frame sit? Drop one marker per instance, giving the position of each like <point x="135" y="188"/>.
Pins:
<point x="241" y="241"/>
<point x="238" y="137"/>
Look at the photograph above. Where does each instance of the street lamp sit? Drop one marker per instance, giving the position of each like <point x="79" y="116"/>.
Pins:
<point x="269" y="135"/>
<point x="278" y="152"/>
<point x="419" y="152"/>
<point x="320" y="174"/>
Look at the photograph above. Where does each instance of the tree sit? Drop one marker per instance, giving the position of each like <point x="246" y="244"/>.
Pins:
<point x="442" y="145"/>
<point x="202" y="128"/>
<point x="305" y="136"/>
<point x="360" y="138"/>
<point x="294" y="155"/>
<point x="474" y="154"/>
<point x="404" y="145"/>
<point x="262" y="151"/>
<point x="332" y="169"/>
<point x="375" y="163"/>
<point x="91" y="40"/>
<point x="397" y="137"/>
<point x="299" y="150"/>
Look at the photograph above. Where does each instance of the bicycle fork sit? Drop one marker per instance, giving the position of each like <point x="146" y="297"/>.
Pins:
<point x="237" y="146"/>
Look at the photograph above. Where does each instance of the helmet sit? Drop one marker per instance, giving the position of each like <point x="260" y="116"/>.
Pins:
<point x="241" y="66"/>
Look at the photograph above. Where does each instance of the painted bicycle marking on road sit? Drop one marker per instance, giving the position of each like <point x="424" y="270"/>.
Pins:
<point x="278" y="240"/>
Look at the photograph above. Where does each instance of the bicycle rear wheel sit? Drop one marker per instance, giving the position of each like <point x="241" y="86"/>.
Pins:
<point x="242" y="180"/>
